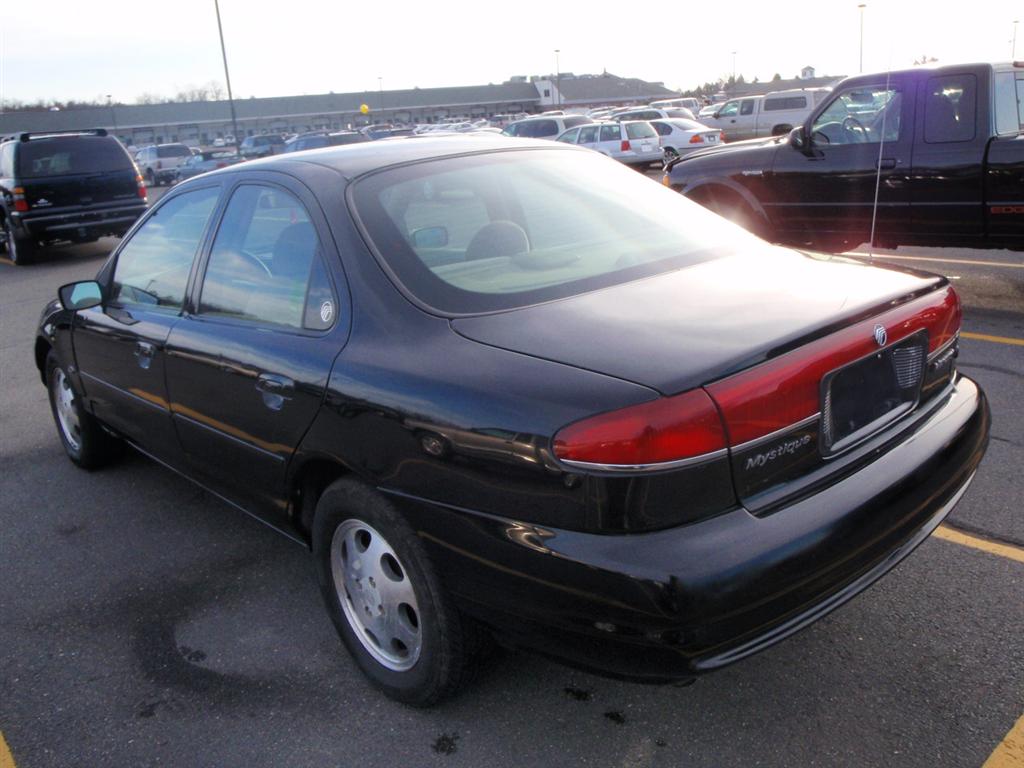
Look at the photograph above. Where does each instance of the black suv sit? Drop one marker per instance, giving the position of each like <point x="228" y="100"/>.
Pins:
<point x="74" y="185"/>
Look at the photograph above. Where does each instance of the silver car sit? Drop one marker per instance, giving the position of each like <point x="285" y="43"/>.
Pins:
<point x="633" y="142"/>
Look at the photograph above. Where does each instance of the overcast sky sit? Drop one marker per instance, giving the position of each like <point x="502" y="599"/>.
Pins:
<point x="70" y="49"/>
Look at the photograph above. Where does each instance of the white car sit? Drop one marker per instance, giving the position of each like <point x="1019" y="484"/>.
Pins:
<point x="681" y="137"/>
<point x="649" y="113"/>
<point x="686" y="102"/>
<point x="633" y="142"/>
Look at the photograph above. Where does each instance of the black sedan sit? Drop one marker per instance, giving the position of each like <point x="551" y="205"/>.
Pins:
<point x="203" y="162"/>
<point x="510" y="389"/>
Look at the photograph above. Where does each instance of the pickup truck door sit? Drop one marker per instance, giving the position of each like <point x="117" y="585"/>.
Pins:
<point x="825" y="191"/>
<point x="949" y="160"/>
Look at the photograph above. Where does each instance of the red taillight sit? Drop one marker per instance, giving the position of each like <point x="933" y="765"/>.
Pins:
<point x="696" y="139"/>
<point x="786" y="390"/>
<point x="20" y="203"/>
<point x="625" y="145"/>
<point x="665" y="430"/>
<point x="721" y="136"/>
<point x="222" y="165"/>
<point x="140" y="185"/>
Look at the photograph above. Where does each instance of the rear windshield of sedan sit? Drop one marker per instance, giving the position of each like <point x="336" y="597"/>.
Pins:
<point x="68" y="155"/>
<point x="501" y="230"/>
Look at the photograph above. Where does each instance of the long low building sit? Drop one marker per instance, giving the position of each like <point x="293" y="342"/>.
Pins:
<point x="201" y="122"/>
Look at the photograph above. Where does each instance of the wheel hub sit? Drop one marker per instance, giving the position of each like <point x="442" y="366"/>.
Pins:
<point x="376" y="595"/>
<point x="64" y="404"/>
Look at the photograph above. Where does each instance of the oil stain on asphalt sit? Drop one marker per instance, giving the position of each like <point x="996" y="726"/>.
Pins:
<point x="445" y="744"/>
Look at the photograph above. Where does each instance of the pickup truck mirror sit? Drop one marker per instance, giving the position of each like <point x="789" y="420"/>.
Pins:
<point x="798" y="138"/>
<point x="82" y="295"/>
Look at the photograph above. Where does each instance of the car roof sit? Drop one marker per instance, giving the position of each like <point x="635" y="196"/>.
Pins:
<point x="353" y="160"/>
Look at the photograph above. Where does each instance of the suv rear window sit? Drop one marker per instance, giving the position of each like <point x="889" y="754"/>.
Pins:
<point x="173" y="150"/>
<point x="66" y="155"/>
<point x="496" y="231"/>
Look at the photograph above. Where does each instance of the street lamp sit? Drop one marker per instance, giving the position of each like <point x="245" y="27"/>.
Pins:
<point x="734" y="69"/>
<point x="227" y="77"/>
<point x="862" y="6"/>
<point x="1013" y="48"/>
<point x="380" y="88"/>
<point x="558" y="80"/>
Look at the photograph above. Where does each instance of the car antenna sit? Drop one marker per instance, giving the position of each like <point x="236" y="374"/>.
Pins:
<point x="878" y="163"/>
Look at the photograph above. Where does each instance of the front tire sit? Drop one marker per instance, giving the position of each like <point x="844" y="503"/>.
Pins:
<point x="84" y="440"/>
<point x="385" y="599"/>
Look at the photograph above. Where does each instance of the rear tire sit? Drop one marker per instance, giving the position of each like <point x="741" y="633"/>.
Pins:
<point x="20" y="250"/>
<point x="84" y="440"/>
<point x="385" y="599"/>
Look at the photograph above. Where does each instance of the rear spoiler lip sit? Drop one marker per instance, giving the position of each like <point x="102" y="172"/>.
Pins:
<point x="46" y="134"/>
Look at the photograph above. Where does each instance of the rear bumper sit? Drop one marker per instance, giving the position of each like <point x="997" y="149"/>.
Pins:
<point x="679" y="602"/>
<point x="72" y="223"/>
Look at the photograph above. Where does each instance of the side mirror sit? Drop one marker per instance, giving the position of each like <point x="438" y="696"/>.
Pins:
<point x="717" y="114"/>
<point x="75" y="296"/>
<point x="798" y="138"/>
<point x="430" y="237"/>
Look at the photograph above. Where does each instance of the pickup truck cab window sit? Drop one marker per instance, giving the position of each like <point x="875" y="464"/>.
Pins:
<point x="950" y="108"/>
<point x="747" y="107"/>
<point x="861" y="115"/>
<point x="1009" y="112"/>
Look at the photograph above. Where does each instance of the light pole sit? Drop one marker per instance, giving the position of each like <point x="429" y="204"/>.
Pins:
<point x="227" y="77"/>
<point x="113" y="114"/>
<point x="734" y="69"/>
<point x="380" y="88"/>
<point x="862" y="6"/>
<point x="1013" y="48"/>
<point x="558" y="80"/>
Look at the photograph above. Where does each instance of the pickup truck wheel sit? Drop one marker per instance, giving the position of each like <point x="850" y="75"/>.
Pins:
<point x="385" y="600"/>
<point x="84" y="440"/>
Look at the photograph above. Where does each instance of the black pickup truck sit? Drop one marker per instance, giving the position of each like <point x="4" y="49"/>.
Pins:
<point x="941" y="147"/>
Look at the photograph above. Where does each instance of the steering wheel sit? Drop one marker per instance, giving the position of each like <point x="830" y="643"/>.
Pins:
<point x="263" y="268"/>
<point x="855" y="127"/>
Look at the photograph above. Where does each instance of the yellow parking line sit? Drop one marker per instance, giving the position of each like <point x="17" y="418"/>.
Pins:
<point x="1009" y="551"/>
<point x="6" y="758"/>
<point x="1010" y="752"/>
<point x="996" y="339"/>
<point x="977" y="262"/>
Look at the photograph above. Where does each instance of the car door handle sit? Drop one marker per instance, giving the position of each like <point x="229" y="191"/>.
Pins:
<point x="887" y="163"/>
<point x="144" y="352"/>
<point x="275" y="389"/>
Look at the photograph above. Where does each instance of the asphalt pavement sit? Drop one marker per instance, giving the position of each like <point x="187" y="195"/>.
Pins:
<point x="144" y="623"/>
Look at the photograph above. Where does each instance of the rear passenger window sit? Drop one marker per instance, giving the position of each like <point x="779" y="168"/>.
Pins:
<point x="950" y="108"/>
<point x="611" y="132"/>
<point x="266" y="264"/>
<point x="1009" y="114"/>
<point x="153" y="266"/>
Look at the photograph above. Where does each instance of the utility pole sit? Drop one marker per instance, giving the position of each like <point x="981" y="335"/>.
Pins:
<point x="227" y="77"/>
<point x="1013" y="47"/>
<point x="380" y="87"/>
<point x="558" y="80"/>
<point x="734" y="69"/>
<point x="862" y="6"/>
<point x="113" y="114"/>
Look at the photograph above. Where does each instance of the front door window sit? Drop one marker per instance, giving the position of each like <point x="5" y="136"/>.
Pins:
<point x="863" y="115"/>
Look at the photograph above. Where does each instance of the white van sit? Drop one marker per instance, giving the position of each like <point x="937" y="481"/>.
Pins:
<point x="773" y="114"/>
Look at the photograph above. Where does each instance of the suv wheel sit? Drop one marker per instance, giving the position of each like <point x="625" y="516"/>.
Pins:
<point x="20" y="250"/>
<point x="385" y="600"/>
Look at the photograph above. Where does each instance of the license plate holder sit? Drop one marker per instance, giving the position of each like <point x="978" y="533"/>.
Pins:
<point x="863" y="397"/>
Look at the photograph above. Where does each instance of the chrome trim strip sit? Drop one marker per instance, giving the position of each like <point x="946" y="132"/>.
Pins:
<point x="659" y="467"/>
<point x="777" y="433"/>
<point x="944" y="348"/>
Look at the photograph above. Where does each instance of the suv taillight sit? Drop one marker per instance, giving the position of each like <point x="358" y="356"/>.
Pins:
<point x="20" y="203"/>
<point x="658" y="432"/>
<point x="141" y="185"/>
